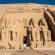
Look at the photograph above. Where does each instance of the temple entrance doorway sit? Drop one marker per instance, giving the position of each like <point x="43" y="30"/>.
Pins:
<point x="26" y="42"/>
<point x="27" y="39"/>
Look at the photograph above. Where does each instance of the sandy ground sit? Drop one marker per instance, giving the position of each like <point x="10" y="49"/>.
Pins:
<point x="28" y="52"/>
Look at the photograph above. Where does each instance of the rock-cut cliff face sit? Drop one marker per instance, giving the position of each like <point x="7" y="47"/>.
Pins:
<point x="26" y="25"/>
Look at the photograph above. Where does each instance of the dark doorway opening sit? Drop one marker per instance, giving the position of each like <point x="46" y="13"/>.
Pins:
<point x="25" y="40"/>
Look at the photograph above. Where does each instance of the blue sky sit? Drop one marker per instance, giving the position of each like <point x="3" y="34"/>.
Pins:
<point x="52" y="2"/>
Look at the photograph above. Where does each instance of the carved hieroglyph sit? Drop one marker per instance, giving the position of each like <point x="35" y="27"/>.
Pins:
<point x="23" y="24"/>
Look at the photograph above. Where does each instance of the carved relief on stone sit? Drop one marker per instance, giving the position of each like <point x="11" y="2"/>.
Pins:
<point x="15" y="31"/>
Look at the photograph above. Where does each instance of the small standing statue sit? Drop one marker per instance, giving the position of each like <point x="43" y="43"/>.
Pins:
<point x="30" y="33"/>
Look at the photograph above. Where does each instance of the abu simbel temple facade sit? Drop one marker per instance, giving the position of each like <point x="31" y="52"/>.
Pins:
<point x="27" y="26"/>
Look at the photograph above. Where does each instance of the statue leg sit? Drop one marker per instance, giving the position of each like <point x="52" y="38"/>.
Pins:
<point x="46" y="39"/>
<point x="33" y="44"/>
<point x="21" y="41"/>
<point x="38" y="39"/>
<point x="49" y="38"/>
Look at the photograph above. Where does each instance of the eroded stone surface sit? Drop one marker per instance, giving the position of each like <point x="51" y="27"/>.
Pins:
<point x="26" y="24"/>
